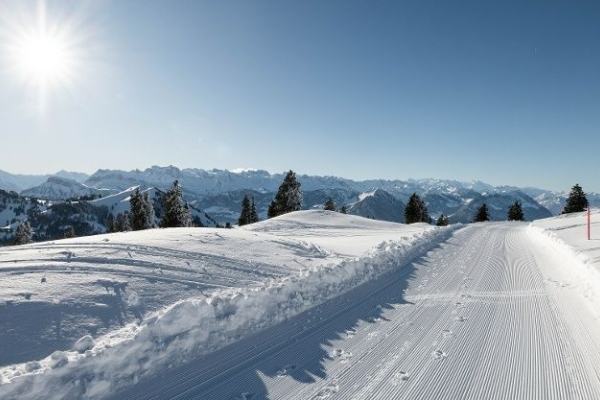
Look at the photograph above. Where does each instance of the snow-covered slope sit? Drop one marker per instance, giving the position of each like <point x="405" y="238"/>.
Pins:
<point x="309" y="305"/>
<point x="17" y="183"/>
<point x="13" y="210"/>
<point x="131" y="291"/>
<point x="58" y="188"/>
<point x="378" y="204"/>
<point x="313" y="305"/>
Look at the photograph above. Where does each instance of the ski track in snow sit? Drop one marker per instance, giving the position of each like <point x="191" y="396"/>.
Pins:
<point x="473" y="319"/>
<point x="488" y="311"/>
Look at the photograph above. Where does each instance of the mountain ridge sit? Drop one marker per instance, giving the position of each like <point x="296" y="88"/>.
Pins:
<point x="208" y="190"/>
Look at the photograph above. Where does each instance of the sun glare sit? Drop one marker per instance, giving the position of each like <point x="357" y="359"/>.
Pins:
<point x="43" y="59"/>
<point x="42" y="53"/>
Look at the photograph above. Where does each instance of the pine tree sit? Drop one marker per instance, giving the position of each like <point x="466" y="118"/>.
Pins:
<point x="344" y="209"/>
<point x="515" y="212"/>
<point x="244" y="218"/>
<point x="186" y="219"/>
<point x="442" y="220"/>
<point x="253" y="212"/>
<point x="288" y="197"/>
<point x="482" y="214"/>
<point x="111" y="224"/>
<point x="139" y="219"/>
<point x="174" y="213"/>
<point x="416" y="210"/>
<point x="23" y="233"/>
<point x="577" y="200"/>
<point x="122" y="222"/>
<point x="147" y="201"/>
<point x="330" y="205"/>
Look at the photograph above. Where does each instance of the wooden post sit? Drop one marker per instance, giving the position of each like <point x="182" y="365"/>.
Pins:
<point x="588" y="223"/>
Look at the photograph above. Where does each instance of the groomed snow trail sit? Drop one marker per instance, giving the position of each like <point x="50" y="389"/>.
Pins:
<point x="483" y="316"/>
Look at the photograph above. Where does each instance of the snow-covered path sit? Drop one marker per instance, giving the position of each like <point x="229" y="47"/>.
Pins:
<point x="486" y="315"/>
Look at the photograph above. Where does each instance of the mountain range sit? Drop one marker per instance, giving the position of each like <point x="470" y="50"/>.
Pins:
<point x="215" y="195"/>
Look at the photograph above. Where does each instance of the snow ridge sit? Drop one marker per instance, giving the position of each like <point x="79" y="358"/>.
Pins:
<point x="193" y="327"/>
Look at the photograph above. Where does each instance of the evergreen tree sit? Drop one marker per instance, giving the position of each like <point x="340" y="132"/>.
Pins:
<point x="330" y="205"/>
<point x="482" y="214"/>
<point x="288" y="197"/>
<point x="149" y="208"/>
<point x="23" y="233"/>
<point x="122" y="222"/>
<point x="416" y="210"/>
<point x="515" y="212"/>
<point x="577" y="200"/>
<point x="253" y="212"/>
<point x="344" y="209"/>
<point x="139" y="219"/>
<point x="142" y="211"/>
<point x="186" y="216"/>
<point x="442" y="220"/>
<point x="111" y="224"/>
<point x="174" y="213"/>
<point x="244" y="218"/>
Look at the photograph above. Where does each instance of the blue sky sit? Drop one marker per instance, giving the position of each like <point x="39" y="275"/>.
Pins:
<point x="507" y="92"/>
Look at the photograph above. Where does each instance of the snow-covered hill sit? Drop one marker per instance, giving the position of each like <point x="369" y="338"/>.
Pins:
<point x="58" y="188"/>
<point x="309" y="305"/>
<point x="94" y="299"/>
<point x="18" y="183"/>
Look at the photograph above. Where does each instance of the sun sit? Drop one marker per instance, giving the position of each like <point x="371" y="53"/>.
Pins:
<point x="43" y="59"/>
<point x="43" y="53"/>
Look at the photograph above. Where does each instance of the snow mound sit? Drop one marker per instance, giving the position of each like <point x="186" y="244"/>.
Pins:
<point x="84" y="344"/>
<point x="318" y="219"/>
<point x="197" y="326"/>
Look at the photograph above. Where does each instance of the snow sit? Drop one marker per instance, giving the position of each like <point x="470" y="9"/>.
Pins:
<point x="363" y="196"/>
<point x="309" y="305"/>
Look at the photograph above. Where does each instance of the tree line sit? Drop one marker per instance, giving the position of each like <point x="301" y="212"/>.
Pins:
<point x="176" y="212"/>
<point x="416" y="210"/>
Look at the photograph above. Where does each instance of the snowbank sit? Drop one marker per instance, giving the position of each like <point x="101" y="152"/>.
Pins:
<point x="196" y="326"/>
<point x="568" y="233"/>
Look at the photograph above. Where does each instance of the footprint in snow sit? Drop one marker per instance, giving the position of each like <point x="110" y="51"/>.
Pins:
<point x="399" y="377"/>
<point x="439" y="355"/>
<point x="447" y="333"/>
<point x="327" y="391"/>
<point x="460" y="318"/>
<point x="372" y="335"/>
<point x="286" y="370"/>
<point x="343" y="355"/>
<point x="460" y="304"/>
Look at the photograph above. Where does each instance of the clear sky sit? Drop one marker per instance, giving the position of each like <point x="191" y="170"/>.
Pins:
<point x="507" y="92"/>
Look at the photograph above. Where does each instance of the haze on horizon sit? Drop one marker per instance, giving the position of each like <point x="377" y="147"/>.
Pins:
<point x="501" y="92"/>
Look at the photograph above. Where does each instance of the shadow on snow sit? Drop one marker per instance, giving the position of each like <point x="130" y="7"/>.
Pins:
<point x="295" y="348"/>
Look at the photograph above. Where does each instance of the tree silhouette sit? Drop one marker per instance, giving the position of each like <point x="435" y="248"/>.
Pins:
<point x="482" y="214"/>
<point x="288" y="197"/>
<point x="416" y="210"/>
<point x="577" y="200"/>
<point x="515" y="212"/>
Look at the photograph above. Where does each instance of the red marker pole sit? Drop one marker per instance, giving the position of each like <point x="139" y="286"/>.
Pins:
<point x="588" y="223"/>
